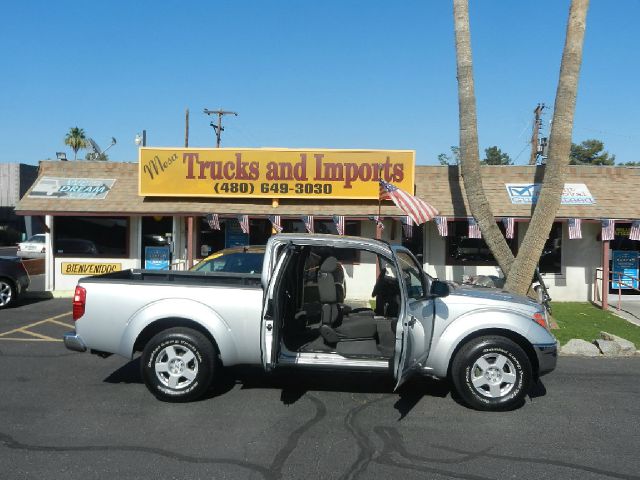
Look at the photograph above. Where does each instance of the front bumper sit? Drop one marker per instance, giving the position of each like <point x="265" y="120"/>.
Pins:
<point x="547" y="357"/>
<point x="73" y="342"/>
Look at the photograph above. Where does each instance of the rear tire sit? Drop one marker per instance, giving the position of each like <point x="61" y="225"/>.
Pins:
<point x="8" y="293"/>
<point x="492" y="373"/>
<point x="178" y="365"/>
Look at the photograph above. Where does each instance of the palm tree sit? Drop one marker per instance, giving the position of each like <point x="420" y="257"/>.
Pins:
<point x="469" y="153"/>
<point x="522" y="270"/>
<point x="519" y="271"/>
<point x="76" y="139"/>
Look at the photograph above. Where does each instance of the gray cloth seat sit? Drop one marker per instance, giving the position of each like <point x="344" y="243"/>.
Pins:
<point x="336" y="324"/>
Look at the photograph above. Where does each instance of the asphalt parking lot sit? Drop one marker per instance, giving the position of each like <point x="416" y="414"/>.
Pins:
<point x="71" y="415"/>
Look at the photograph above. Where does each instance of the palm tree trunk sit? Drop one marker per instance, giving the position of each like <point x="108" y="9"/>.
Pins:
<point x="521" y="273"/>
<point x="469" y="153"/>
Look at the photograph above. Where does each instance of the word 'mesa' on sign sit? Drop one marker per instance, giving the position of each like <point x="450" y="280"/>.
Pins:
<point x="273" y="173"/>
<point x="82" y="268"/>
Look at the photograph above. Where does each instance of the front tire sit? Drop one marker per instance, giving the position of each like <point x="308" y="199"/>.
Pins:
<point x="492" y="373"/>
<point x="8" y="293"/>
<point x="178" y="365"/>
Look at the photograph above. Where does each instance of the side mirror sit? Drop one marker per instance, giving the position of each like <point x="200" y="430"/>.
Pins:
<point x="439" y="289"/>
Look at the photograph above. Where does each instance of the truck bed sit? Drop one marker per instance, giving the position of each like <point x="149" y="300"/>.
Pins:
<point x="169" y="277"/>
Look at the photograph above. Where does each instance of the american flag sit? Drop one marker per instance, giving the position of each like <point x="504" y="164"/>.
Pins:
<point x="443" y="226"/>
<point x="339" y="221"/>
<point x="419" y="210"/>
<point x="214" y="221"/>
<point x="634" y="233"/>
<point x="509" y="226"/>
<point x="308" y="222"/>
<point x="575" y="228"/>
<point x="608" y="229"/>
<point x="407" y="226"/>
<point x="275" y="221"/>
<point x="474" y="229"/>
<point x="244" y="223"/>
<point x="378" y="220"/>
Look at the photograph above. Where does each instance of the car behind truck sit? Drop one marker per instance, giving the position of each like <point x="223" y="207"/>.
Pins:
<point x="321" y="301"/>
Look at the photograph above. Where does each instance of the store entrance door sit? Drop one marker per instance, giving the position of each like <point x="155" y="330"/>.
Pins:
<point x="156" y="232"/>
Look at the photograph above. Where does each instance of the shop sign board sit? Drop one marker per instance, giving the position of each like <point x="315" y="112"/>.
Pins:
<point x="72" y="188"/>
<point x="157" y="258"/>
<point x="88" y="268"/>
<point x="624" y="269"/>
<point x="272" y="172"/>
<point x="528" y="193"/>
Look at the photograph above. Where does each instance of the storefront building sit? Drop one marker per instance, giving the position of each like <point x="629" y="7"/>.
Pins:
<point x="102" y="216"/>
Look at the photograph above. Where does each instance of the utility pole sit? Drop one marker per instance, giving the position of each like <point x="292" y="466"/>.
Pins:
<point x="534" y="137"/>
<point x="218" y="128"/>
<point x="186" y="128"/>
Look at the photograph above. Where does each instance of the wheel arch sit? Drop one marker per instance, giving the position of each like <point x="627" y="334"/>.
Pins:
<point x="515" y="337"/>
<point x="171" y="322"/>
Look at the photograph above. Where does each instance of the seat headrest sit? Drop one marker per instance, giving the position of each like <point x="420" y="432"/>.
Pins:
<point x="329" y="265"/>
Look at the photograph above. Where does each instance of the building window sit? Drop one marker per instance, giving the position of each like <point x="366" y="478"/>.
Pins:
<point x="415" y="243"/>
<point x="91" y="237"/>
<point x="229" y="235"/>
<point x="351" y="227"/>
<point x="462" y="250"/>
<point x="551" y="258"/>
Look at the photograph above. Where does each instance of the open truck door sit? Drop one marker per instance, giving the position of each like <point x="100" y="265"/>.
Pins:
<point x="272" y="308"/>
<point x="414" y="330"/>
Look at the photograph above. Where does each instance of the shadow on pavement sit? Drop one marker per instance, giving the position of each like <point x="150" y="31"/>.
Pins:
<point x="295" y="384"/>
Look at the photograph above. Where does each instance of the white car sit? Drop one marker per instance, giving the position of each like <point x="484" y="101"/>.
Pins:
<point x="34" y="247"/>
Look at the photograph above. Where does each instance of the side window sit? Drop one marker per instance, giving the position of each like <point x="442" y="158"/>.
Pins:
<point x="411" y="276"/>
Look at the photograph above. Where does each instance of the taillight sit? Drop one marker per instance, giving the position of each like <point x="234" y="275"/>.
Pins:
<point x="79" y="300"/>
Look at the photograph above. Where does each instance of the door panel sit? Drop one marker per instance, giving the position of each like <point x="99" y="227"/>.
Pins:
<point x="271" y="323"/>
<point x="413" y="340"/>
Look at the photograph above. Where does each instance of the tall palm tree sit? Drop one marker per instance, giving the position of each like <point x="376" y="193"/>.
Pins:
<point x="469" y="153"/>
<point x="76" y="139"/>
<point x="548" y="203"/>
<point x="519" y="271"/>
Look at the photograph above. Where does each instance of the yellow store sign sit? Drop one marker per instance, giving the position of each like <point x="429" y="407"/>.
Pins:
<point x="272" y="173"/>
<point x="84" y="268"/>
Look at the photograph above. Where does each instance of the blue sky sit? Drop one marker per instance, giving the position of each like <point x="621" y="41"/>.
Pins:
<point x="330" y="74"/>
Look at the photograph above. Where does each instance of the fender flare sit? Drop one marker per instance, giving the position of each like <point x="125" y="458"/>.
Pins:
<point x="180" y="309"/>
<point x="466" y="325"/>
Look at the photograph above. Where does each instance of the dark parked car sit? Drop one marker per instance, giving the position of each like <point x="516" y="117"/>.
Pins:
<point x="14" y="280"/>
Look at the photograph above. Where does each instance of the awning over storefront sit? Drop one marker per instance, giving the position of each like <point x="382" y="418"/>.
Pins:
<point x="595" y="192"/>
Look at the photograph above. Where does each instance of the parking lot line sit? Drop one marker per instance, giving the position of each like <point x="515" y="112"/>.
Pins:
<point x="38" y="336"/>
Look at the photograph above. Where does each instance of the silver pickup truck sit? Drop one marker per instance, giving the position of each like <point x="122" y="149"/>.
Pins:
<point x="321" y="301"/>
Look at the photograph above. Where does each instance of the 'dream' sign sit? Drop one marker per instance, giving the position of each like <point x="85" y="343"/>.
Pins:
<point x="272" y="173"/>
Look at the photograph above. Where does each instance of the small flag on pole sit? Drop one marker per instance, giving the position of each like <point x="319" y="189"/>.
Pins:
<point x="509" y="227"/>
<point x="474" y="229"/>
<point x="443" y="226"/>
<point x="339" y="221"/>
<point x="275" y="222"/>
<point x="608" y="229"/>
<point x="575" y="228"/>
<point x="378" y="220"/>
<point x="634" y="233"/>
<point x="407" y="226"/>
<point x="419" y="210"/>
<point x="244" y="223"/>
<point x="214" y="221"/>
<point x="308" y="222"/>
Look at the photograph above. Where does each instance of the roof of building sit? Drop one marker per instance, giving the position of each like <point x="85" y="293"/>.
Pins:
<point x="615" y="190"/>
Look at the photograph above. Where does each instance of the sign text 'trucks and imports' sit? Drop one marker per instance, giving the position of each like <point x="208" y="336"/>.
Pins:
<point x="272" y="173"/>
